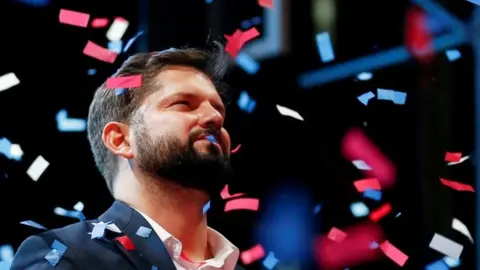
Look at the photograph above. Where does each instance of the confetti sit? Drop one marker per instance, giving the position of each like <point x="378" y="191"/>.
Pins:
<point x="247" y="63"/>
<point x="98" y="230"/>
<point x="132" y="40"/>
<point x="74" y="18"/>
<point x="236" y="41"/>
<point x="453" y="157"/>
<point x="265" y="3"/>
<point x="117" y="29"/>
<point x="253" y="254"/>
<point x="364" y="98"/>
<point x="453" y="55"/>
<point x="37" y="168"/>
<point x="212" y="139"/>
<point x="366" y="184"/>
<point x="356" y="146"/>
<point x="393" y="253"/>
<point x="246" y="103"/>
<point x="418" y="36"/>
<point x="438" y="265"/>
<point x="359" y="209"/>
<point x="361" y="165"/>
<point x="125" y="82"/>
<point x="206" y="207"/>
<point x="462" y="228"/>
<point x="120" y="91"/>
<point x="397" y="97"/>
<point x="226" y="195"/>
<point x="336" y="235"/>
<point x="33" y="224"/>
<point x="289" y="112"/>
<point x="66" y="124"/>
<point x="380" y="212"/>
<point x="446" y="246"/>
<point x="373" y="194"/>
<point x="54" y="255"/>
<point x="270" y="261"/>
<point x="242" y="204"/>
<point x="99" y="22"/>
<point x="93" y="50"/>
<point x="126" y="242"/>
<point x="364" y="76"/>
<point x="235" y="150"/>
<point x="456" y="185"/>
<point x="324" y="47"/>
<point x="144" y="232"/>
<point x="458" y="162"/>
<point x="8" y="81"/>
<point x="79" y="206"/>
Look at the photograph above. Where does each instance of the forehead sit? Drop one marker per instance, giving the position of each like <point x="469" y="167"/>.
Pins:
<point x="181" y="80"/>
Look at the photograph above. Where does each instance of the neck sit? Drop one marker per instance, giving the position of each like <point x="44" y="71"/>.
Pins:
<point x="177" y="209"/>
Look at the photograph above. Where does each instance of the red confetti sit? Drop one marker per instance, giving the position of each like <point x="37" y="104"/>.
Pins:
<point x="99" y="22"/>
<point x="74" y="18"/>
<point x="380" y="212"/>
<point x="236" y="41"/>
<point x="456" y="185"/>
<point x="235" y="150"/>
<point x="226" y="195"/>
<point x="393" y="253"/>
<point x="357" y="146"/>
<point x="418" y="37"/>
<point x="336" y="235"/>
<point x="369" y="183"/>
<point x="453" y="157"/>
<point x="242" y="204"/>
<point x="355" y="249"/>
<point x="126" y="242"/>
<point x="253" y="254"/>
<point x="100" y="53"/>
<point x="265" y="3"/>
<point x="125" y="82"/>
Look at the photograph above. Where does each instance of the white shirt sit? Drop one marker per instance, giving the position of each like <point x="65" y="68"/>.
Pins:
<point x="225" y="254"/>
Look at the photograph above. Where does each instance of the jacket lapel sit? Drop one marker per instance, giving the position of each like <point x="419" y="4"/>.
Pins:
<point x="139" y="242"/>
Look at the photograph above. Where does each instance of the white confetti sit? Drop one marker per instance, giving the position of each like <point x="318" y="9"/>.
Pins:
<point x="446" y="246"/>
<point x="458" y="162"/>
<point x="361" y="165"/>
<point x="117" y="29"/>
<point x="289" y="112"/>
<point x="8" y="80"/>
<point x="462" y="228"/>
<point x="37" y="168"/>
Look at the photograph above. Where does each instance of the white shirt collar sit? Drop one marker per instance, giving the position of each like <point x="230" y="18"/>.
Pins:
<point x="225" y="254"/>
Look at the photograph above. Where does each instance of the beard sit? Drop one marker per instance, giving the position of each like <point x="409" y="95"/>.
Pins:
<point x="167" y="157"/>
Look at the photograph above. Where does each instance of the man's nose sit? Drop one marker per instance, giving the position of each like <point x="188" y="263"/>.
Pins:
<point x="209" y="117"/>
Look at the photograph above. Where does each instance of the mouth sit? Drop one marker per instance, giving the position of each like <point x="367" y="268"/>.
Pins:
<point x="211" y="138"/>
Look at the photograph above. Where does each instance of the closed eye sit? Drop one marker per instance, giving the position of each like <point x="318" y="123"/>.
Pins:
<point x="182" y="102"/>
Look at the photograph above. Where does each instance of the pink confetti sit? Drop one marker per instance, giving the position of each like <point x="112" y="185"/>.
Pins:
<point x="456" y="185"/>
<point x="235" y="150"/>
<point x="355" y="249"/>
<point x="253" y="254"/>
<point x="236" y="41"/>
<point x="380" y="212"/>
<point x="369" y="183"/>
<point x="99" y="52"/>
<point x="357" y="146"/>
<point x="393" y="253"/>
<point x="226" y="195"/>
<point x="418" y="36"/>
<point x="453" y="157"/>
<point x="125" y="81"/>
<point x="74" y="18"/>
<point x="265" y="3"/>
<point x="336" y="235"/>
<point x="242" y="204"/>
<point x="99" y="22"/>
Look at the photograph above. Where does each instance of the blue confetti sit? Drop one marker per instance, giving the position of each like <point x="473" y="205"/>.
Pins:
<point x="364" y="98"/>
<point x="154" y="268"/>
<point x="144" y="232"/>
<point x="476" y="2"/>
<point x="33" y="224"/>
<point x="317" y="209"/>
<point x="5" y="265"/>
<point x="397" y="97"/>
<point x="115" y="46"/>
<point x="65" y="124"/>
<point x="453" y="55"/>
<point x="364" y="76"/>
<point x="120" y="91"/>
<point x="374" y="245"/>
<point x="98" y="230"/>
<point x="131" y="41"/>
<point x="359" y="209"/>
<point x="373" y="194"/>
<point x="324" y="46"/>
<point x="91" y="71"/>
<point x="270" y="261"/>
<point x="5" y="146"/>
<point x="246" y="103"/>
<point x="211" y="138"/>
<point x="438" y="265"/>
<point x="206" y="207"/>
<point x="247" y="63"/>
<point x="34" y="3"/>
<point x="54" y="255"/>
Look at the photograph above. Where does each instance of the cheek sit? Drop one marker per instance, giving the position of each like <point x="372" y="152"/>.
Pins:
<point x="226" y="139"/>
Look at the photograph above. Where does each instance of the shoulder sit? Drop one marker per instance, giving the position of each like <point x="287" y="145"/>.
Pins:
<point x="57" y="248"/>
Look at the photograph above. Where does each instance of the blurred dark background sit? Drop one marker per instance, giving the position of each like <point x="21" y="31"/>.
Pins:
<point x="291" y="166"/>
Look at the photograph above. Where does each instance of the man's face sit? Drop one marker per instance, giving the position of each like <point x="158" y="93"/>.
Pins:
<point x="179" y="135"/>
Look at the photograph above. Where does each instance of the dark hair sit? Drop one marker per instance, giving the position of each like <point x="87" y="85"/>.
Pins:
<point x="106" y="106"/>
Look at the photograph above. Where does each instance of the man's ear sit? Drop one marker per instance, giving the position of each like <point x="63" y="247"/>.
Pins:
<point x="116" y="138"/>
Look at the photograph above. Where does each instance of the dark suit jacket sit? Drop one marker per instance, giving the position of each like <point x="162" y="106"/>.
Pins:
<point x="119" y="251"/>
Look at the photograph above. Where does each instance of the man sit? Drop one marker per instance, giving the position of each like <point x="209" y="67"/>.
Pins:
<point x="163" y="151"/>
